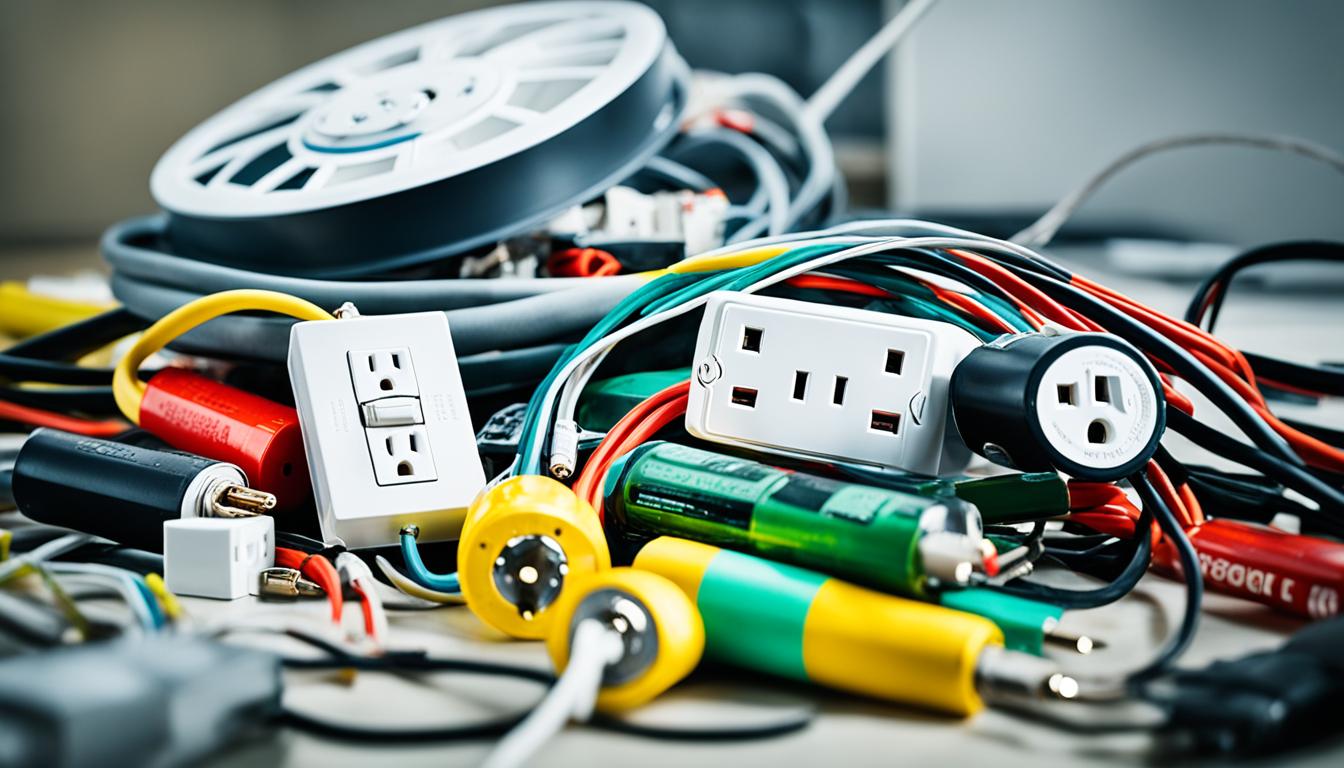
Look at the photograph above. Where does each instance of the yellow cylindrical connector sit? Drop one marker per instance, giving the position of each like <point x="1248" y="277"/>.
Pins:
<point x="664" y="636"/>
<point x="522" y="542"/>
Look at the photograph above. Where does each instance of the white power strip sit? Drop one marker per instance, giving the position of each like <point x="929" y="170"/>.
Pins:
<point x="827" y="382"/>
<point x="385" y="427"/>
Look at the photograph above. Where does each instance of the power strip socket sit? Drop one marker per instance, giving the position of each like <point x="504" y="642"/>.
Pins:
<point x="827" y="382"/>
<point x="385" y="427"/>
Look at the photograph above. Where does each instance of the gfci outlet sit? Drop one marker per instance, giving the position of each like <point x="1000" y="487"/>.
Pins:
<point x="827" y="382"/>
<point x="385" y="427"/>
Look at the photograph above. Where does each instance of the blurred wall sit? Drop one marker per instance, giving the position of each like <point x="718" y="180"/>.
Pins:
<point x="1011" y="104"/>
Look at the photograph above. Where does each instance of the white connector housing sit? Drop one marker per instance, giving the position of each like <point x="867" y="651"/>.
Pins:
<point x="217" y="557"/>
<point x="827" y="382"/>
<point x="385" y="427"/>
<point x="1097" y="407"/>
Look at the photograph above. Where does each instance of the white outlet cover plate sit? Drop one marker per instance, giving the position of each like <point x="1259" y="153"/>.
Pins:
<point x="825" y="342"/>
<point x="352" y="507"/>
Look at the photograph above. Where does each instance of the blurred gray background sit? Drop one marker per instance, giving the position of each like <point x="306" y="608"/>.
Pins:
<point x="993" y="106"/>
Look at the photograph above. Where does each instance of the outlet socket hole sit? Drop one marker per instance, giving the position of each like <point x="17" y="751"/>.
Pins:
<point x="385" y="385"/>
<point x="1098" y="432"/>
<point x="751" y="339"/>
<point x="404" y="469"/>
<point x="800" y="385"/>
<point x="895" y="361"/>
<point x="838" y="391"/>
<point x="396" y="360"/>
<point x="373" y="366"/>
<point x="1068" y="394"/>
<point x="390" y="450"/>
<point x="744" y="396"/>
<point x="885" y="421"/>
<point x="1104" y="388"/>
<point x="415" y="448"/>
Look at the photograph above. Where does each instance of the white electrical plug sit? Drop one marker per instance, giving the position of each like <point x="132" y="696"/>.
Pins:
<point x="217" y="557"/>
<point x="385" y="427"/>
<point x="827" y="382"/>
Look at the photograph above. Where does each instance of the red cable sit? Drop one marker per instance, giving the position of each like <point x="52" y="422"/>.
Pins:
<point x="370" y="626"/>
<point x="832" y="283"/>
<point x="582" y="262"/>
<point x="39" y="418"/>
<point x="637" y="426"/>
<point x="321" y="571"/>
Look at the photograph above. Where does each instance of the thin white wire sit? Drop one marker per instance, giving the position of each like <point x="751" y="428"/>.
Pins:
<point x="53" y="548"/>
<point x="123" y="581"/>
<point x="822" y="104"/>
<point x="404" y="584"/>
<point x="572" y="697"/>
<point x="1043" y="230"/>
<point x="769" y="175"/>
<point x="357" y="573"/>
<point x="812" y="136"/>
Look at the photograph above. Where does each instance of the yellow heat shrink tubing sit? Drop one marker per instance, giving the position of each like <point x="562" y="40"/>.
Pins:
<point x="795" y="623"/>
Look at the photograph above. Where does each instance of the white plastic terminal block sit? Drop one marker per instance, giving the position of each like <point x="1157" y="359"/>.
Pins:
<point x="827" y="382"/>
<point x="385" y="426"/>
<point x="217" y="557"/>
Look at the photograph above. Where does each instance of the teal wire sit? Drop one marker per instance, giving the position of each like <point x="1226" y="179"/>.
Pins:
<point x="156" y="614"/>
<point x="415" y="568"/>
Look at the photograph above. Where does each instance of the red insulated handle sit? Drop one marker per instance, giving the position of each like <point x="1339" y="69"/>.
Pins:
<point x="199" y="415"/>
<point x="1301" y="575"/>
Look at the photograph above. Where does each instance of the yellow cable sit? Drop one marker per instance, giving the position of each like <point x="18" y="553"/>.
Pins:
<point x="171" y="605"/>
<point x="127" y="387"/>
<point x="743" y="258"/>
<point x="24" y="313"/>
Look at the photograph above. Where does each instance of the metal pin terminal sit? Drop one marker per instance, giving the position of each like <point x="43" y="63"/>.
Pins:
<point x="1060" y="637"/>
<point x="285" y="584"/>
<point x="232" y="500"/>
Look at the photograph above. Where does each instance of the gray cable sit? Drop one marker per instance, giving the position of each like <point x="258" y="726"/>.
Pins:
<point x="523" y="322"/>
<point x="812" y="137"/>
<point x="1043" y="230"/>
<point x="144" y="264"/>
<point x="676" y="173"/>
<point x="769" y="175"/>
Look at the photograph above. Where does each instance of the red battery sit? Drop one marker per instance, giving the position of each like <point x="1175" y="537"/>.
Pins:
<point x="1301" y="575"/>
<point x="202" y="416"/>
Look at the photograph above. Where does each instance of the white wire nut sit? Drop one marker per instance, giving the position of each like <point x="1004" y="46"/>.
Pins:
<point x="564" y="448"/>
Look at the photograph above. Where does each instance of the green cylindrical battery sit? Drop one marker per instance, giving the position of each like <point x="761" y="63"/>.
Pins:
<point x="865" y="534"/>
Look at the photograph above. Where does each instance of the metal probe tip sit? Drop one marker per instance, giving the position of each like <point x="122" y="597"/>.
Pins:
<point x="1073" y="641"/>
<point x="240" y="501"/>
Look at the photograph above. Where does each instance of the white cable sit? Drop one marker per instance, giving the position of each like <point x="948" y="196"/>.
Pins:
<point x="406" y="586"/>
<point x="823" y="103"/>
<point x="572" y="697"/>
<point x="356" y="572"/>
<point x="1043" y="230"/>
<point x="53" y="548"/>
<point x="125" y="584"/>
<point x="812" y="136"/>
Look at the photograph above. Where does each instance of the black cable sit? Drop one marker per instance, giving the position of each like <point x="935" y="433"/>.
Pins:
<point x="1330" y="499"/>
<point x="93" y="401"/>
<point x="399" y="662"/>
<point x="1075" y="599"/>
<point x="1190" y="572"/>
<point x="1201" y="304"/>
<point x="1321" y="379"/>
<point x="73" y="341"/>
<point x="1181" y="362"/>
